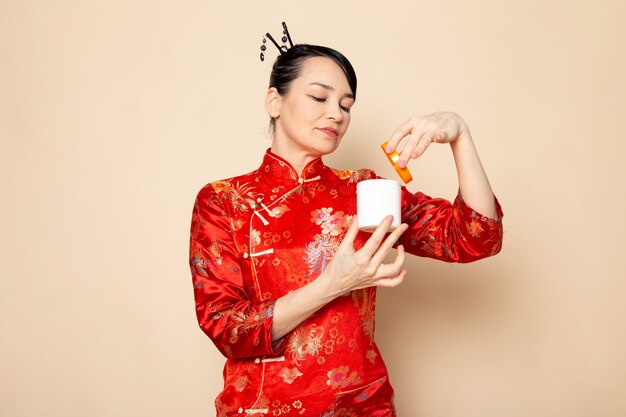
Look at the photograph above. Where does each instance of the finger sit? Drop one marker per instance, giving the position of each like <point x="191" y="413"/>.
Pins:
<point x="398" y="263"/>
<point x="377" y="237"/>
<point x="409" y="148"/>
<point x="423" y="143"/>
<point x="392" y="269"/>
<point x="398" y="134"/>
<point x="386" y="246"/>
<point x="384" y="282"/>
<point x="391" y="282"/>
<point x="353" y="231"/>
<point x="440" y="138"/>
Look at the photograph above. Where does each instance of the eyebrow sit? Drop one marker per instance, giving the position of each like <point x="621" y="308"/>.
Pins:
<point x="328" y="87"/>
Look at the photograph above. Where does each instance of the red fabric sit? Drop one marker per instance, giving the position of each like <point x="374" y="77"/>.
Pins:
<point x="258" y="236"/>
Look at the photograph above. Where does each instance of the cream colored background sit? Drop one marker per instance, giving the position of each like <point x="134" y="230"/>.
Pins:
<point x="113" y="114"/>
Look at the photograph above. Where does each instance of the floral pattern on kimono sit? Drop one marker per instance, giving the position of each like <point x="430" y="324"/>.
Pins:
<point x="259" y="236"/>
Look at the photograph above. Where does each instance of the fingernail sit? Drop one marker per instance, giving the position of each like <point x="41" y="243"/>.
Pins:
<point x="388" y="149"/>
<point x="402" y="164"/>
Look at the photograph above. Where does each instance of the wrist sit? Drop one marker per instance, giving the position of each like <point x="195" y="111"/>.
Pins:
<point x="464" y="139"/>
<point x="324" y="287"/>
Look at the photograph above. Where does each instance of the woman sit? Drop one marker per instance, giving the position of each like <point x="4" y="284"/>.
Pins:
<point x="284" y="282"/>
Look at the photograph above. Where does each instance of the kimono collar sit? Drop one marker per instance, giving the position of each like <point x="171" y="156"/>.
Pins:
<point x="278" y="169"/>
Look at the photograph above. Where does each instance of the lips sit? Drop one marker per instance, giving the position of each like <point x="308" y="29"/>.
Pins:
<point x="329" y="131"/>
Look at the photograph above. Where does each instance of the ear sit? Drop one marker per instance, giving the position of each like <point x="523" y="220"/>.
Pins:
<point x="273" y="101"/>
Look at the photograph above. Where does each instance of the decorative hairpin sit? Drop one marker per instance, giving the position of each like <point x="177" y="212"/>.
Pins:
<point x="281" y="48"/>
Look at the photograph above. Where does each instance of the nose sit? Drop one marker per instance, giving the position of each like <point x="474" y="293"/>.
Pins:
<point x="334" y="113"/>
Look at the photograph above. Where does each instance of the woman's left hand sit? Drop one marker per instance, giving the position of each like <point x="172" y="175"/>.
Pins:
<point x="439" y="127"/>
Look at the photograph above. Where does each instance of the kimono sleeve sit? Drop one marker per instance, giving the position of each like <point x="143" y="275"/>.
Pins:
<point x="451" y="232"/>
<point x="238" y="326"/>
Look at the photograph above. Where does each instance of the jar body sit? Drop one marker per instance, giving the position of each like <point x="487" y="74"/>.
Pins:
<point x="375" y="200"/>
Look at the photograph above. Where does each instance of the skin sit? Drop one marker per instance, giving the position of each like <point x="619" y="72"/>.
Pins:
<point x="311" y="119"/>
<point x="319" y="98"/>
<point x="448" y="127"/>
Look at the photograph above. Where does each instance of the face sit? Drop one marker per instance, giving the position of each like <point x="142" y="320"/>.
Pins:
<point x="315" y="113"/>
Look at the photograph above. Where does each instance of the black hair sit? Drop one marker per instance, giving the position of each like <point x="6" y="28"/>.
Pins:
<point x="287" y="67"/>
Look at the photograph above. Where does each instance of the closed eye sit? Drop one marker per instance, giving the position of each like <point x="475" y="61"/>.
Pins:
<point x="323" y="100"/>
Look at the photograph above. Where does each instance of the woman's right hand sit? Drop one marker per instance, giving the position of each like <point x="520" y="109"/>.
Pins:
<point x="354" y="269"/>
<point x="349" y="270"/>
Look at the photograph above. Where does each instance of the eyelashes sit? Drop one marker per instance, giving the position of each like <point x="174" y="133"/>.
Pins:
<point x="323" y="100"/>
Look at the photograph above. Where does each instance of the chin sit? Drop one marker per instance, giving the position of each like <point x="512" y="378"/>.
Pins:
<point x="326" y="148"/>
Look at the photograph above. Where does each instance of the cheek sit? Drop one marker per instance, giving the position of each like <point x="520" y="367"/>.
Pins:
<point x="346" y="121"/>
<point x="310" y="111"/>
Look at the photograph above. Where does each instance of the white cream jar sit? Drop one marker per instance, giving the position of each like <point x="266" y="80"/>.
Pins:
<point x="376" y="199"/>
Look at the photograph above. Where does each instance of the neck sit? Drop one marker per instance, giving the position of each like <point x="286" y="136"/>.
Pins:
<point x="298" y="158"/>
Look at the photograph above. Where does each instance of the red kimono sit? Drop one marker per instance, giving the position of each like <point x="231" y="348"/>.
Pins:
<point x="256" y="237"/>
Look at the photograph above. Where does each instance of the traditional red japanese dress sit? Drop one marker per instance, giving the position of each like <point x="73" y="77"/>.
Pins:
<point x="256" y="237"/>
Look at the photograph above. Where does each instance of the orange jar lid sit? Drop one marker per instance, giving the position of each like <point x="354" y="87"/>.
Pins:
<point x="393" y="158"/>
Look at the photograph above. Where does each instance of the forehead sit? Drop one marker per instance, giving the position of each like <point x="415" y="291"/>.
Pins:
<point x="323" y="70"/>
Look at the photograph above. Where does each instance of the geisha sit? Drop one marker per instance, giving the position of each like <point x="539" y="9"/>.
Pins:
<point x="284" y="281"/>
